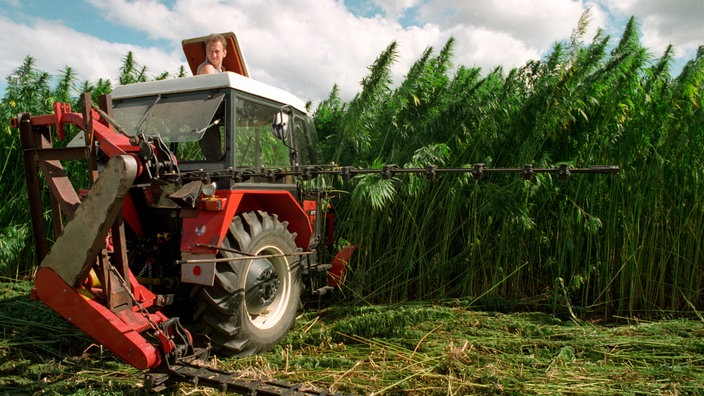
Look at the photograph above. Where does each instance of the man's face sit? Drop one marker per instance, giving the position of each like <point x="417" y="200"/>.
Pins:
<point x="216" y="53"/>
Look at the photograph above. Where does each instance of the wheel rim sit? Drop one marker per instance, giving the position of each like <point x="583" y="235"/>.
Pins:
<point x="267" y="288"/>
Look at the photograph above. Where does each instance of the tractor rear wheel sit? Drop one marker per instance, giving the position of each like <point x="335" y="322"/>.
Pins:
<point x="254" y="302"/>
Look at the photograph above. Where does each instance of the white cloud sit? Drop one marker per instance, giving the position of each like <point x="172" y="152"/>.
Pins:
<point x="534" y="23"/>
<point x="150" y="17"/>
<point x="395" y="9"/>
<point x="677" y="22"/>
<point x="306" y="46"/>
<point x="54" y="46"/>
<point x="301" y="45"/>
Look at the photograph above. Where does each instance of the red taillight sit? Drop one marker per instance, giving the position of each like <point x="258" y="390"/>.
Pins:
<point x="212" y="204"/>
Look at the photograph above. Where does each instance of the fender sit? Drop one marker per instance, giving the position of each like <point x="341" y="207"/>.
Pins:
<point x="208" y="226"/>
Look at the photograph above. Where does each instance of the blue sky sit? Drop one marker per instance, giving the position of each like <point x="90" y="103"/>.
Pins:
<point x="307" y="46"/>
<point x="78" y="16"/>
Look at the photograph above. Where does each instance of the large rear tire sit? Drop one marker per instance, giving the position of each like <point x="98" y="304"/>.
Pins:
<point x="254" y="302"/>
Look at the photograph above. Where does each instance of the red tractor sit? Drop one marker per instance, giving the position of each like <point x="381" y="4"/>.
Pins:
<point x="193" y="211"/>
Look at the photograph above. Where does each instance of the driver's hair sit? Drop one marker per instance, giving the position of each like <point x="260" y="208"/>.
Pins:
<point x="214" y="38"/>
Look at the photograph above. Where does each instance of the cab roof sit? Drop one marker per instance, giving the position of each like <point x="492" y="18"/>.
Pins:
<point x="208" y="82"/>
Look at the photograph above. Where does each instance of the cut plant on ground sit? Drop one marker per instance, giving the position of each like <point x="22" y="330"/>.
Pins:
<point x="418" y="349"/>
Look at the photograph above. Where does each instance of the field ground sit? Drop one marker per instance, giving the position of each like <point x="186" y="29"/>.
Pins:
<point x="439" y="349"/>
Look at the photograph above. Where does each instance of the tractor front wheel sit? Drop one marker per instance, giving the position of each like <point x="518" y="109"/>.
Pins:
<point x="254" y="302"/>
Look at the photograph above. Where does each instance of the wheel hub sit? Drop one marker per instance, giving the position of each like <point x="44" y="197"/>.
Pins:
<point x="262" y="286"/>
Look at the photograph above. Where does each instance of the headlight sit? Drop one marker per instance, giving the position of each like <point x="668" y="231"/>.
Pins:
<point x="208" y="189"/>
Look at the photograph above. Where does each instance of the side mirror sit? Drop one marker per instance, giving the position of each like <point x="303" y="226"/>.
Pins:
<point x="280" y="126"/>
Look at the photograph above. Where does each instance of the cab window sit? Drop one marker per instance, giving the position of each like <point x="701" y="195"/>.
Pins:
<point x="255" y="144"/>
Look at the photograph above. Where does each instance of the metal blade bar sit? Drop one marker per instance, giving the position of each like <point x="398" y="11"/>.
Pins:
<point x="237" y="382"/>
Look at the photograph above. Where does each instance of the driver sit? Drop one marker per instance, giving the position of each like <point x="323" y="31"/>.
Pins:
<point x="215" y="52"/>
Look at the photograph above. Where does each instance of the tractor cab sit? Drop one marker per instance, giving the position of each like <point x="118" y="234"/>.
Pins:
<point x="219" y="121"/>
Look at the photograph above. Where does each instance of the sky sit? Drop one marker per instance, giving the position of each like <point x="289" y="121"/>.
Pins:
<point x="307" y="46"/>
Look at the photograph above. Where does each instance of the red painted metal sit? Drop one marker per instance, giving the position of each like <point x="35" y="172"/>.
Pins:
<point x="111" y="143"/>
<point x="283" y="204"/>
<point x="120" y="327"/>
<point x="117" y="326"/>
<point x="311" y="207"/>
<point x="336" y="276"/>
<point x="210" y="228"/>
<point x="129" y="213"/>
<point x="120" y="332"/>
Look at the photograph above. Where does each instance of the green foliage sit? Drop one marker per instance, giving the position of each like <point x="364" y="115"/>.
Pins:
<point x="130" y="71"/>
<point x="33" y="91"/>
<point x="101" y="87"/>
<point x="28" y="90"/>
<point x="42" y="353"/>
<point x="354" y="137"/>
<point x="444" y="348"/>
<point x="624" y="245"/>
<point x="328" y="120"/>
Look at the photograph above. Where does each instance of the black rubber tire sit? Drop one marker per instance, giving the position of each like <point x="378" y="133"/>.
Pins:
<point x="239" y="321"/>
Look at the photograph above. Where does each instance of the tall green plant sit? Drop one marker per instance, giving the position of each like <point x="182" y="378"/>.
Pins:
<point x="624" y="244"/>
<point x="353" y="138"/>
<point x="131" y="71"/>
<point x="29" y="90"/>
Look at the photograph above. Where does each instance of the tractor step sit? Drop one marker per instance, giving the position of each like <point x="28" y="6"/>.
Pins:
<point x="322" y="290"/>
<point x="315" y="268"/>
<point x="320" y="272"/>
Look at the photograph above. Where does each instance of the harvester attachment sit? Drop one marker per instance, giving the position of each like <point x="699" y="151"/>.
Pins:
<point x="77" y="278"/>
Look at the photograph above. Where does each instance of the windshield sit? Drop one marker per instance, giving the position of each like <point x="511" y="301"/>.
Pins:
<point x="175" y="118"/>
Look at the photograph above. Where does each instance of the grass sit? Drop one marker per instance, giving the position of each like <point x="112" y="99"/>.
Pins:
<point x="417" y="349"/>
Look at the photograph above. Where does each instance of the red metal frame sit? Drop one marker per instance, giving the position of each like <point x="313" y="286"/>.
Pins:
<point x="118" y="331"/>
<point x="129" y="213"/>
<point x="111" y="143"/>
<point x="90" y="309"/>
<point x="210" y="227"/>
<point x="338" y="272"/>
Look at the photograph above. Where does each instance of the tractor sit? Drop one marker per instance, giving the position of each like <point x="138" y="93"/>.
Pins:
<point x="187" y="215"/>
